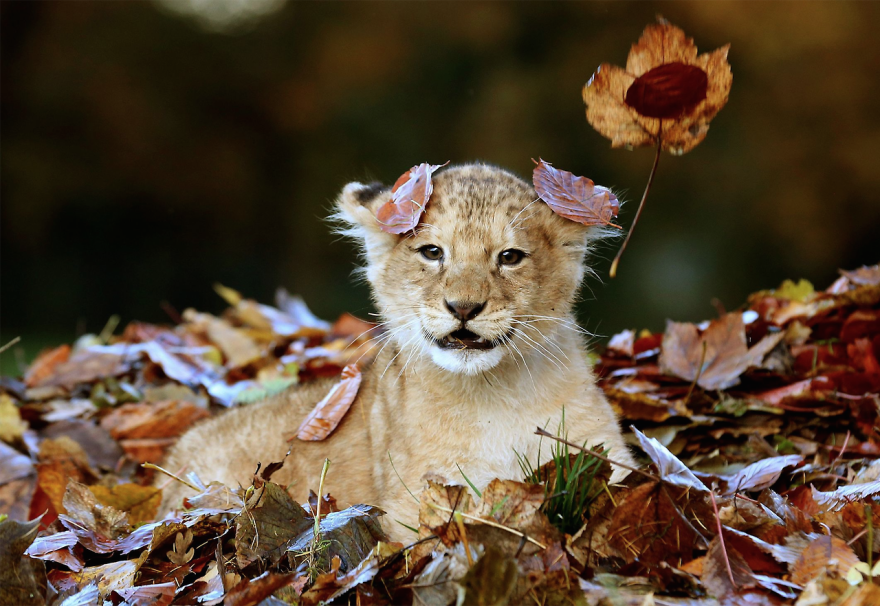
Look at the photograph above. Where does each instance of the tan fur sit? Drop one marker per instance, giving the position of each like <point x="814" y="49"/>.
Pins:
<point x="426" y="409"/>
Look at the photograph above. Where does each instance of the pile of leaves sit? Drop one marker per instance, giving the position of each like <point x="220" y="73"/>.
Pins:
<point x="759" y="428"/>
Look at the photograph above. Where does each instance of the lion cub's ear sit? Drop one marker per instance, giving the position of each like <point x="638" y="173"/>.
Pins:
<point x="356" y="210"/>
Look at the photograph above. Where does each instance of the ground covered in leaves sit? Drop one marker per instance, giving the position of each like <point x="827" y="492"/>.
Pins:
<point x="759" y="431"/>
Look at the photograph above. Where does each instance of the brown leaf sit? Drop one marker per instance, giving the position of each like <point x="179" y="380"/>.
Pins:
<point x="715" y="575"/>
<point x="726" y="354"/>
<point x="667" y="92"/>
<point x="573" y="197"/>
<point x="250" y="592"/>
<point x="826" y="554"/>
<point x="272" y="519"/>
<point x="158" y="594"/>
<point x="409" y="199"/>
<point x="98" y="527"/>
<point x="60" y="461"/>
<point x="863" y="276"/>
<point x="45" y="364"/>
<point x="85" y="366"/>
<point x="152" y="420"/>
<point x="328" y="413"/>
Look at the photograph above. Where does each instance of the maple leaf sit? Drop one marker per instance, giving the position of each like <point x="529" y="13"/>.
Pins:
<point x="409" y="198"/>
<point x="666" y="96"/>
<point x="717" y="356"/>
<point x="327" y="414"/>
<point x="573" y="197"/>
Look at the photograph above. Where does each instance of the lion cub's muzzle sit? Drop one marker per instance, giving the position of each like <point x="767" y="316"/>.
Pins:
<point x="462" y="338"/>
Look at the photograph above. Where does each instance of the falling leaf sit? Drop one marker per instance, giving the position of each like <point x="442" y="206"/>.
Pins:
<point x="409" y="199"/>
<point x="573" y="197"/>
<point x="666" y="94"/>
<point x="328" y="413"/>
<point x="721" y="350"/>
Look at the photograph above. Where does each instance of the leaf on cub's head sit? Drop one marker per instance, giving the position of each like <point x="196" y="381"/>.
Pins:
<point x="575" y="198"/>
<point x="667" y="94"/>
<point x="409" y="198"/>
<point x="329" y="412"/>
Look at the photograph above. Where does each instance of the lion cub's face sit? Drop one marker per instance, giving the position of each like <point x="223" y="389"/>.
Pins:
<point x="491" y="272"/>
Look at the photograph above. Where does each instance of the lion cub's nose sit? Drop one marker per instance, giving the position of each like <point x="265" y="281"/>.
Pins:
<point x="464" y="310"/>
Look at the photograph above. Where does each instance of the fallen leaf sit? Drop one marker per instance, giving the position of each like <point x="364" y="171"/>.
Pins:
<point x="152" y="420"/>
<point x="491" y="580"/>
<point x="409" y="199"/>
<point x="573" y="197"/>
<point x="11" y="425"/>
<point x="45" y="364"/>
<point x="669" y="467"/>
<point x="760" y="474"/>
<point x="85" y="366"/>
<point x="13" y="464"/>
<point x="140" y="502"/>
<point x="98" y="527"/>
<point x="158" y="594"/>
<point x="863" y="276"/>
<point x="718" y="355"/>
<point x="329" y="412"/>
<point x="666" y="94"/>
<point x="250" y="592"/>
<point x="351" y="535"/>
<point x="61" y="460"/>
<point x="238" y="348"/>
<point x="61" y="547"/>
<point x="715" y="575"/>
<point x="825" y="554"/>
<point x="271" y="519"/>
<point x="22" y="580"/>
<point x="835" y="500"/>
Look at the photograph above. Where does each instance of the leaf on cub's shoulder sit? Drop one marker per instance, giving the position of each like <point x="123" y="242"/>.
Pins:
<point x="328" y="413"/>
<point x="409" y="198"/>
<point x="573" y="197"/>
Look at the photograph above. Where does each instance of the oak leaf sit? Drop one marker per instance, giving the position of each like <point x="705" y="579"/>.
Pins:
<point x="328" y="413"/>
<point x="409" y="198"/>
<point x="573" y="197"/>
<point x="715" y="357"/>
<point x="667" y="94"/>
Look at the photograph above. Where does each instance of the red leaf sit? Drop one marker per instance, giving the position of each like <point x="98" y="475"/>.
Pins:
<point x="575" y="198"/>
<point x="409" y="198"/>
<point x="668" y="91"/>
<point x="329" y="412"/>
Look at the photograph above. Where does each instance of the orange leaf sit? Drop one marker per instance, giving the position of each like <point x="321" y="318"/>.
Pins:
<point x="44" y="366"/>
<point x="666" y="92"/>
<point x="329" y="412"/>
<point x="575" y="198"/>
<point x="409" y="198"/>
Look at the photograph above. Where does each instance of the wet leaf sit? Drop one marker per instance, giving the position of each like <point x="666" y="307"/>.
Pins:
<point x="666" y="94"/>
<point x="575" y="198"/>
<point x="409" y="199"/>
<point x="329" y="412"/>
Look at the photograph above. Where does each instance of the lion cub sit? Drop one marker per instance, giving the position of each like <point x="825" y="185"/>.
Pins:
<point x="482" y="347"/>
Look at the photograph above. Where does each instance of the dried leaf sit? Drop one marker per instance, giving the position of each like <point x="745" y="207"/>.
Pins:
<point x="726" y="354"/>
<point x="329" y="412"/>
<point x="863" y="276"/>
<point x="158" y="594"/>
<point x="60" y="547"/>
<point x="11" y="425"/>
<point x="761" y="474"/>
<point x="140" y="502"/>
<point x="250" y="592"/>
<point x="575" y="198"/>
<point x="825" y="554"/>
<point x="99" y="527"/>
<point x="666" y="93"/>
<point x="670" y="468"/>
<point x="715" y="575"/>
<point x="409" y="199"/>
<point x="45" y="364"/>
<point x="272" y="519"/>
<point x="152" y="420"/>
<point x="836" y="500"/>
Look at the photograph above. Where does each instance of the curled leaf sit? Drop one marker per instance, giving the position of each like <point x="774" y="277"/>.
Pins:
<point x="667" y="94"/>
<point x="327" y="413"/>
<point x="573" y="197"/>
<point x="409" y="198"/>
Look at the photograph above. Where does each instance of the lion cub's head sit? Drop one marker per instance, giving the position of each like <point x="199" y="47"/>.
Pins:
<point x="490" y="274"/>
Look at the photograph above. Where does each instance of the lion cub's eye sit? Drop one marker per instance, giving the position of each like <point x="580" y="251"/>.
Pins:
<point x="431" y="252"/>
<point x="511" y="256"/>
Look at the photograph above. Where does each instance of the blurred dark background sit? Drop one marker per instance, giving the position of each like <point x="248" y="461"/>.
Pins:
<point x="150" y="149"/>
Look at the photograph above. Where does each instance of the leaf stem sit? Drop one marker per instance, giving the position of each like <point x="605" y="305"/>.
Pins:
<point x="632" y="228"/>
<point x="721" y="540"/>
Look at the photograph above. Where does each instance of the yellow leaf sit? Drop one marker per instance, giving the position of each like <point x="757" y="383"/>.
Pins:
<point x="140" y="502"/>
<point x="11" y="425"/>
<point x="802" y="291"/>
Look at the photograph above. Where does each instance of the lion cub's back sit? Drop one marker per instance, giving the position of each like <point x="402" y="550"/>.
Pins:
<point x="227" y="448"/>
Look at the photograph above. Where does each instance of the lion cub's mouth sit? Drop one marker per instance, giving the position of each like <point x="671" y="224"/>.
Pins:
<point x="464" y="339"/>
